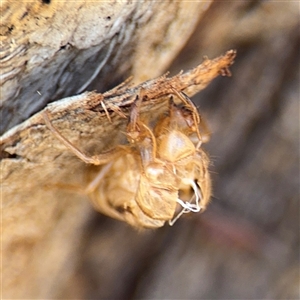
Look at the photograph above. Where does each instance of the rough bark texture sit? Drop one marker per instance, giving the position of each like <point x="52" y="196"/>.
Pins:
<point x="54" y="49"/>
<point x="244" y="246"/>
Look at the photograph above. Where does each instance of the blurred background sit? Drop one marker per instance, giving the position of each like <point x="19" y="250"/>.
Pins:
<point x="246" y="245"/>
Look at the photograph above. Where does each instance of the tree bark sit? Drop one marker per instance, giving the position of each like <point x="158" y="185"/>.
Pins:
<point x="245" y="245"/>
<point x="55" y="49"/>
<point x="51" y="50"/>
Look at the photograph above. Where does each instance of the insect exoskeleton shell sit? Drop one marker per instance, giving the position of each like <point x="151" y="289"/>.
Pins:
<point x="158" y="191"/>
<point x="175" y="146"/>
<point x="116" y="194"/>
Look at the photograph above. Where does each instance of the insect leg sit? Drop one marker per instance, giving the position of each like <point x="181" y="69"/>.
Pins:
<point x="95" y="159"/>
<point x="95" y="182"/>
<point x="139" y="134"/>
<point x="133" y="125"/>
<point x="204" y="136"/>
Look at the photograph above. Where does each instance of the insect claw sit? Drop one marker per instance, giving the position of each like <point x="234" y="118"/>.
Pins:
<point x="106" y="112"/>
<point x="115" y="109"/>
<point x="118" y="111"/>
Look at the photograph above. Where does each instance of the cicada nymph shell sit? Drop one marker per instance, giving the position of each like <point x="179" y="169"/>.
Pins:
<point x="159" y="175"/>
